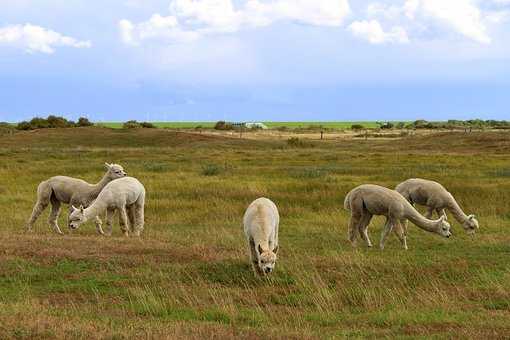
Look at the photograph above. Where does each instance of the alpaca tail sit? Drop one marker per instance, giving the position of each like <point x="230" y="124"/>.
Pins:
<point x="347" y="205"/>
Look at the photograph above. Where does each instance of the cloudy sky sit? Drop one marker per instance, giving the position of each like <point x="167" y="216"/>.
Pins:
<point x="189" y="60"/>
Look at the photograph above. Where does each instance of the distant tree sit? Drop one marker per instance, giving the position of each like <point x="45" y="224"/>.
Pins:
<point x="357" y="127"/>
<point x="131" y="124"/>
<point x="400" y="125"/>
<point x="83" y="121"/>
<point x="147" y="125"/>
<point x="24" y="125"/>
<point x="57" y="122"/>
<point x="222" y="125"/>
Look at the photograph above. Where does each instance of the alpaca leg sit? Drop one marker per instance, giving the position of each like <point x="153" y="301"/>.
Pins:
<point x="139" y="216"/>
<point x="131" y="217"/>
<point x="399" y="230"/>
<point x="442" y="212"/>
<point x="254" y="259"/>
<point x="99" y="225"/>
<point x="39" y="207"/>
<point x="353" y="228"/>
<point x="44" y="192"/>
<point x="109" y="221"/>
<point x="55" y="211"/>
<point x="388" y="226"/>
<point x="429" y="213"/>
<point x="363" y="227"/>
<point x="124" y="224"/>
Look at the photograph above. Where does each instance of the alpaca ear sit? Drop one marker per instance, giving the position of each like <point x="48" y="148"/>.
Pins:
<point x="442" y="218"/>
<point x="74" y="208"/>
<point x="108" y="166"/>
<point x="260" y="249"/>
<point x="275" y="250"/>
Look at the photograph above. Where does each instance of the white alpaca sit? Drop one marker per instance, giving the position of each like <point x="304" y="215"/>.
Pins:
<point x="368" y="200"/>
<point x="436" y="198"/>
<point x="72" y="191"/>
<point x="261" y="222"/>
<point x="127" y="195"/>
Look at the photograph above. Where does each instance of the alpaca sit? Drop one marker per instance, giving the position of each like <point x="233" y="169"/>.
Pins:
<point x="261" y="222"/>
<point x="126" y="195"/>
<point x="72" y="191"/>
<point x="436" y="198"/>
<point x="368" y="200"/>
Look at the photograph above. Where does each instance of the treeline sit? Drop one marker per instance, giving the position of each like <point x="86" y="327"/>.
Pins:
<point x="52" y="122"/>
<point x="450" y="124"/>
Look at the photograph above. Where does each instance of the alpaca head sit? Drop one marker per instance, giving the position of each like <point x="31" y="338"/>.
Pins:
<point x="267" y="259"/>
<point x="76" y="217"/>
<point x="115" y="171"/>
<point x="443" y="227"/>
<point x="471" y="224"/>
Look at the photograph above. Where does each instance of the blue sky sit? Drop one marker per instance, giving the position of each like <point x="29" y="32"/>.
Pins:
<point x="195" y="60"/>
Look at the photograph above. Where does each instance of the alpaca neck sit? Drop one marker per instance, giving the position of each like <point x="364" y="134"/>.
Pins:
<point x="95" y="209"/>
<point x="420" y="221"/>
<point x="456" y="211"/>
<point x="100" y="185"/>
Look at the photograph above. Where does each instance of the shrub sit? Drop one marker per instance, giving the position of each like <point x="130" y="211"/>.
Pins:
<point x="58" y="122"/>
<point x="82" y="121"/>
<point x="43" y="123"/>
<point x="39" y="123"/>
<point x="357" y="127"/>
<point x="131" y="124"/>
<point x="148" y="125"/>
<point x="211" y="170"/>
<point x="298" y="143"/>
<point x="222" y="125"/>
<point x="387" y="125"/>
<point x="24" y="125"/>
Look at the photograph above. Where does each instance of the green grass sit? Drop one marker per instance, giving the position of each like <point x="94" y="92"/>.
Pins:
<point x="189" y="275"/>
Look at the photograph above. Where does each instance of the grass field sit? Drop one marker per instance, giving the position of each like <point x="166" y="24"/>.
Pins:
<point x="290" y="125"/>
<point x="188" y="275"/>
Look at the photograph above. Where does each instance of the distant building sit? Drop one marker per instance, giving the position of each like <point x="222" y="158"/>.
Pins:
<point x="250" y="125"/>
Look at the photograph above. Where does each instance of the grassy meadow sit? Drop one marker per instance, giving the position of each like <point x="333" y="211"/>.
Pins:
<point x="188" y="276"/>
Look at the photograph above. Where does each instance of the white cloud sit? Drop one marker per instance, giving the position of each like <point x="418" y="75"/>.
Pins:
<point x="461" y="16"/>
<point x="191" y="19"/>
<point x="373" y="32"/>
<point x="34" y="38"/>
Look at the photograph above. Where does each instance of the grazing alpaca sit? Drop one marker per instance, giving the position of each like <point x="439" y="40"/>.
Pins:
<point x="126" y="195"/>
<point x="72" y="191"/>
<point x="261" y="222"/>
<point x="436" y="198"/>
<point x="368" y="200"/>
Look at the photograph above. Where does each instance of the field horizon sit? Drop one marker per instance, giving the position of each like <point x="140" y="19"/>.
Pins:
<point x="188" y="276"/>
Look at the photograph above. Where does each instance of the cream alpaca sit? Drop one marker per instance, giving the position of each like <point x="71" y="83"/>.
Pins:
<point x="127" y="195"/>
<point x="72" y="191"/>
<point x="261" y="222"/>
<point x="368" y="200"/>
<point x="436" y="198"/>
